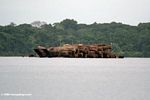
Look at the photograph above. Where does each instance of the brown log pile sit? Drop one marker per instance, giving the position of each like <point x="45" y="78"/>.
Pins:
<point x="77" y="51"/>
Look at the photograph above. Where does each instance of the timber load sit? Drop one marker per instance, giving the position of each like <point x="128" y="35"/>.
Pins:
<point x="77" y="51"/>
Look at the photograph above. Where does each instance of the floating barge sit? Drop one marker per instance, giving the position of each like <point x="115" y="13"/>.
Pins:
<point x="77" y="51"/>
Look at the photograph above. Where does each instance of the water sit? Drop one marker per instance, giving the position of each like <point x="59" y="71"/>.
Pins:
<point x="23" y="78"/>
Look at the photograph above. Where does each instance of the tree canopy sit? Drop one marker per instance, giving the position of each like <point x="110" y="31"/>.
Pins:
<point x="130" y="41"/>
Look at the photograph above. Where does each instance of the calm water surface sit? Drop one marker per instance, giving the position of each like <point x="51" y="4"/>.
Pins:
<point x="74" y="79"/>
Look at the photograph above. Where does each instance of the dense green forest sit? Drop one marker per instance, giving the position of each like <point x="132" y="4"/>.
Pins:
<point x="130" y="41"/>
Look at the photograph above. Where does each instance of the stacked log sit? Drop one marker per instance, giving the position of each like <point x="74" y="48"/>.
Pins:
<point x="41" y="51"/>
<point x="77" y="51"/>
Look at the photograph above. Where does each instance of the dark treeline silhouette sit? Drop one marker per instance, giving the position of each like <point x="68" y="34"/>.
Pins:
<point x="130" y="41"/>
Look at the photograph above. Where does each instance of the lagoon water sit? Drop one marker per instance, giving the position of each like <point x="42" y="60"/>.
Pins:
<point x="23" y="78"/>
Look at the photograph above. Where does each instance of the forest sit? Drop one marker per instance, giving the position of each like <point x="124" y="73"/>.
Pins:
<point x="126" y="40"/>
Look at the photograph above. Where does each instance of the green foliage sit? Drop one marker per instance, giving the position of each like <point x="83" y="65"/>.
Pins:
<point x="130" y="41"/>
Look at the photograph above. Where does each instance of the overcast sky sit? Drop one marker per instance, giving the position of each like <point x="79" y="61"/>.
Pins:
<point x="84" y="11"/>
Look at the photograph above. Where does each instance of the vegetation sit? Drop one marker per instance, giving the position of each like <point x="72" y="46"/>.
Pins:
<point x="130" y="41"/>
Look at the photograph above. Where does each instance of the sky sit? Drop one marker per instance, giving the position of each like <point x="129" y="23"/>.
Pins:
<point x="130" y="12"/>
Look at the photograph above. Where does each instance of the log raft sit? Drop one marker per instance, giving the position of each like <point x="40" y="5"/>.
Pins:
<point x="77" y="51"/>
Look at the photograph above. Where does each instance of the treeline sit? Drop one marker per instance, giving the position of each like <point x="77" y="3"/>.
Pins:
<point x="130" y="41"/>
